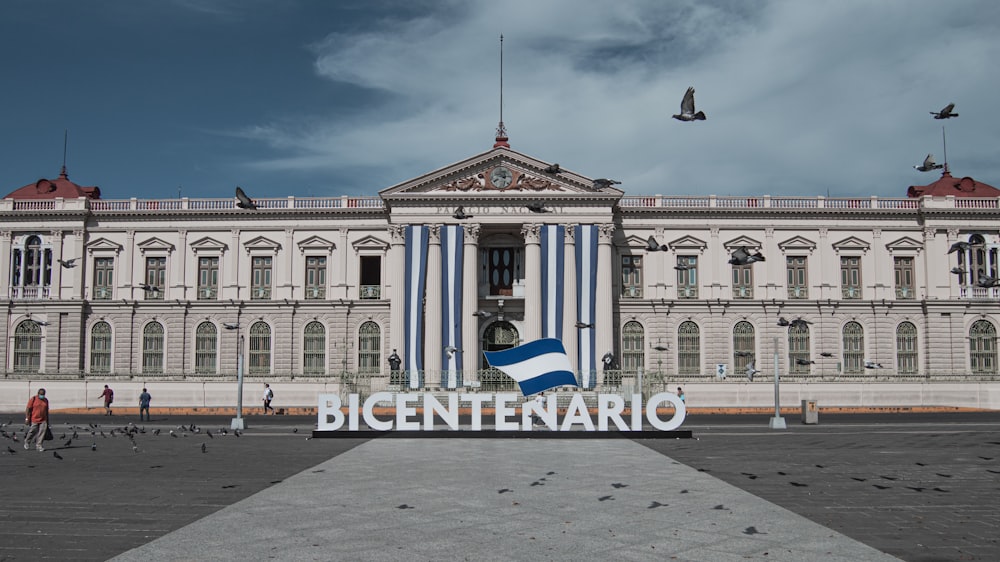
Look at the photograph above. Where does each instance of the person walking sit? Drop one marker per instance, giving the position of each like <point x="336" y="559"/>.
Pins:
<point x="268" y="396"/>
<point x="680" y="394"/>
<point x="36" y="417"/>
<point x="109" y="397"/>
<point x="144" y="399"/>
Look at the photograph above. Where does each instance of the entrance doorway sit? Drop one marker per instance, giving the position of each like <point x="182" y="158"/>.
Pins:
<point x="498" y="336"/>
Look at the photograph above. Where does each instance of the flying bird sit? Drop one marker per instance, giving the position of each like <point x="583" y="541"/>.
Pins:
<point x="608" y="359"/>
<point x="661" y="348"/>
<point x="482" y="313"/>
<point x="987" y="281"/>
<point x="149" y="288"/>
<point x="799" y="323"/>
<point x="826" y="354"/>
<point x="584" y="325"/>
<point x="460" y="214"/>
<point x="682" y="266"/>
<point x="751" y="370"/>
<point x="230" y="325"/>
<point x="928" y="165"/>
<point x="782" y="321"/>
<point x="687" y="108"/>
<point x="742" y="257"/>
<point x="68" y="263"/>
<point x="653" y="246"/>
<point x="553" y="169"/>
<point x="538" y="208"/>
<point x="963" y="246"/>
<point x="451" y="350"/>
<point x="958" y="270"/>
<point x="945" y="113"/>
<point x="603" y="183"/>
<point x="243" y="201"/>
<point x="869" y="364"/>
<point x="801" y="361"/>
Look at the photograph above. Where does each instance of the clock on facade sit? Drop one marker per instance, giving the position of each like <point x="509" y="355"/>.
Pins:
<point x="501" y="177"/>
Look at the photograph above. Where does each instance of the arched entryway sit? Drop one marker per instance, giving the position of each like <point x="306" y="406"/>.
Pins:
<point x="498" y="336"/>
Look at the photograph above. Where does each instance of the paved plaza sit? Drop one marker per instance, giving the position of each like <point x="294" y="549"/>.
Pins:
<point x="853" y="487"/>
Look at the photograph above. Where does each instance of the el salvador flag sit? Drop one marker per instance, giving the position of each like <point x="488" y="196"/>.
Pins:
<point x="536" y="366"/>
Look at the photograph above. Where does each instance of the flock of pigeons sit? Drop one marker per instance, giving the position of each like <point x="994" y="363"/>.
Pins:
<point x="929" y="163"/>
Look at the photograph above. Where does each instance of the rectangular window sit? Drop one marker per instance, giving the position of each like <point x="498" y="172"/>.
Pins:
<point x="501" y="269"/>
<point x="796" y="268"/>
<point x="687" y="277"/>
<point x="104" y="273"/>
<point x="156" y="278"/>
<point x="371" y="277"/>
<point x="743" y="281"/>
<point x="315" y="277"/>
<point x="903" y="268"/>
<point x="850" y="277"/>
<point x="260" y="287"/>
<point x="208" y="278"/>
<point x="632" y="277"/>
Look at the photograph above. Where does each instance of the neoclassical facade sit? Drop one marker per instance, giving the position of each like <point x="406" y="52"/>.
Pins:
<point x="489" y="252"/>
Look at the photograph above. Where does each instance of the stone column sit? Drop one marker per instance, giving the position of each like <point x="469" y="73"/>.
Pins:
<point x="395" y="281"/>
<point x="132" y="277"/>
<point x="603" y="318"/>
<point x="6" y="242"/>
<point x="80" y="272"/>
<point x="570" y="312"/>
<point x="470" y="304"/>
<point x="433" y="348"/>
<point x="232" y="273"/>
<point x="532" y="282"/>
<point x="826" y="260"/>
<point x="180" y="275"/>
<point x="55" y="286"/>
<point x="288" y="288"/>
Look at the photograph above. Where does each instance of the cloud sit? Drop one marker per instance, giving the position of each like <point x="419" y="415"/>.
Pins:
<point x="802" y="97"/>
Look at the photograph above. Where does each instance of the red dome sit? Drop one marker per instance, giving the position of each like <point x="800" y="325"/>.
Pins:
<point x="947" y="185"/>
<point x="51" y="189"/>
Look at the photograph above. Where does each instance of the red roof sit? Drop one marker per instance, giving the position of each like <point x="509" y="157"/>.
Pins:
<point x="51" y="189"/>
<point x="947" y="185"/>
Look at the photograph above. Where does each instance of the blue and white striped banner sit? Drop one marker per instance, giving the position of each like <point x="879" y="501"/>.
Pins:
<point x="553" y="266"/>
<point x="586" y="275"/>
<point x="536" y="366"/>
<point x="451" y="301"/>
<point x="416" y="276"/>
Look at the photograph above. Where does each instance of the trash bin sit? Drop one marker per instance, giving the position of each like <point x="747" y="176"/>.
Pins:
<point x="810" y="412"/>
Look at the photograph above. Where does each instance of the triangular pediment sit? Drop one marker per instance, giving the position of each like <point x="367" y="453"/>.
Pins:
<point x="497" y="173"/>
<point x="209" y="245"/>
<point x="688" y="243"/>
<point x="261" y="244"/>
<point x="103" y="245"/>
<point x="904" y="244"/>
<point x="797" y="243"/>
<point x="316" y="243"/>
<point x="155" y="244"/>
<point x="851" y="243"/>
<point x="636" y="242"/>
<point x="743" y="242"/>
<point x="371" y="243"/>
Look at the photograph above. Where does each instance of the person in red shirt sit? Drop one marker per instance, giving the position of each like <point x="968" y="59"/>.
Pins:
<point x="37" y="416"/>
<point x="109" y="397"/>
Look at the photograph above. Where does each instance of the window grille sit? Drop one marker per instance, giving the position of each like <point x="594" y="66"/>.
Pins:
<point x="260" y="349"/>
<point x="152" y="348"/>
<point x="854" y="348"/>
<point x="28" y="347"/>
<point x="983" y="348"/>
<point x="369" y="348"/>
<point x="100" y="348"/>
<point x="314" y="349"/>
<point x="688" y="348"/>
<point x="906" y="348"/>
<point x="206" y="349"/>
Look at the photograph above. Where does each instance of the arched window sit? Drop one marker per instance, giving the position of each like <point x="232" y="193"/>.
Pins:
<point x="314" y="349"/>
<point x="854" y="348"/>
<point x="498" y="336"/>
<point x="206" y="344"/>
<point x="688" y="348"/>
<point x="100" y="348"/>
<point x="744" y="346"/>
<point x="798" y="349"/>
<point x="28" y="347"/>
<point x="906" y="349"/>
<point x="369" y="348"/>
<point x="983" y="348"/>
<point x="260" y="349"/>
<point x="633" y="347"/>
<point x="31" y="268"/>
<point x="152" y="348"/>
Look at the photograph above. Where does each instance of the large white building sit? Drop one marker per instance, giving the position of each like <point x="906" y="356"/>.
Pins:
<point x="495" y="250"/>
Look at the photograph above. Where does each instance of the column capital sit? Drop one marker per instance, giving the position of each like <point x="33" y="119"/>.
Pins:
<point x="57" y="234"/>
<point x="434" y="233"/>
<point x="6" y="235"/>
<point x="930" y="232"/>
<point x="605" y="232"/>
<point x="397" y="234"/>
<point x="531" y="233"/>
<point x="953" y="233"/>
<point x="472" y="233"/>
<point x="570" y="233"/>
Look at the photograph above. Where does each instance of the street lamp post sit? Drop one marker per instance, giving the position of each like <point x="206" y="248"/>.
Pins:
<point x="238" y="422"/>
<point x="777" y="422"/>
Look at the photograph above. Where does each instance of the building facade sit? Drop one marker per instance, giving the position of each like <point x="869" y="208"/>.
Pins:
<point x="489" y="252"/>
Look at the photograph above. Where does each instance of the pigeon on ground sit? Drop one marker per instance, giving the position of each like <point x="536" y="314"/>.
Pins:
<point x="653" y="246"/>
<point x="945" y="113"/>
<point x="243" y="201"/>
<point x="928" y="165"/>
<point x="56" y="455"/>
<point x="203" y="448"/>
<point x="67" y="263"/>
<point x="687" y="108"/>
<point x="742" y="257"/>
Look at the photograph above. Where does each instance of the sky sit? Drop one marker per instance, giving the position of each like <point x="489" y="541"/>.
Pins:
<point x="313" y="98"/>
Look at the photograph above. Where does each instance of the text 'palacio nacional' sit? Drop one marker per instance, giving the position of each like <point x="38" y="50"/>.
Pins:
<point x="859" y="301"/>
